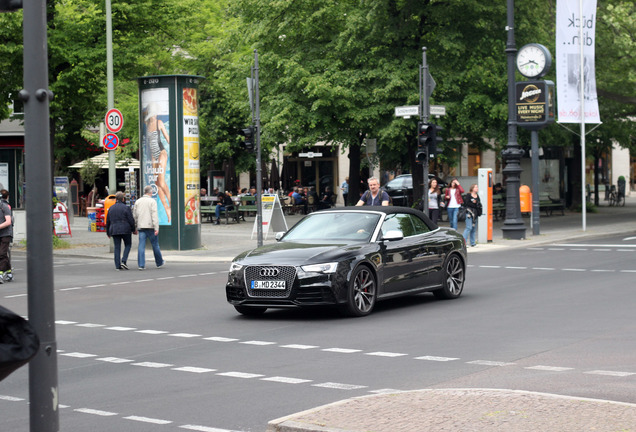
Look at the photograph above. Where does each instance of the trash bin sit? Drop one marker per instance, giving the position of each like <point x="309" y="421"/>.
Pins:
<point x="525" y="199"/>
<point x="621" y="186"/>
<point x="108" y="202"/>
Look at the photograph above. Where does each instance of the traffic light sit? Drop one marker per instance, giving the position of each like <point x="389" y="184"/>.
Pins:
<point x="422" y="137"/>
<point x="248" y="142"/>
<point x="433" y="140"/>
<point x="10" y="5"/>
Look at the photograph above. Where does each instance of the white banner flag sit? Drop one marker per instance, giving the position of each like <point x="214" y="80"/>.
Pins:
<point x="569" y="20"/>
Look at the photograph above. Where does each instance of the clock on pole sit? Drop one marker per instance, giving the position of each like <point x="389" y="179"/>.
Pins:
<point x="533" y="60"/>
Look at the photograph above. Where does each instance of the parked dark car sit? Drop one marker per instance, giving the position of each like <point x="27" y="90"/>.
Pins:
<point x="400" y="189"/>
<point x="350" y="257"/>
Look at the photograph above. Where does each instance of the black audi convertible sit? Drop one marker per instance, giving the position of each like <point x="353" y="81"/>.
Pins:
<point x="350" y="257"/>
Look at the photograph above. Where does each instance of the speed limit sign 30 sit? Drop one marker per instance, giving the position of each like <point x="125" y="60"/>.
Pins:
<point x="114" y="120"/>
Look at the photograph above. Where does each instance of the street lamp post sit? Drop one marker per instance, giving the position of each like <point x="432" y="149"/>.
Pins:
<point x="513" y="227"/>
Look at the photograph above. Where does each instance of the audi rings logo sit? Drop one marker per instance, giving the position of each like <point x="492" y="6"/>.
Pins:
<point x="269" y="271"/>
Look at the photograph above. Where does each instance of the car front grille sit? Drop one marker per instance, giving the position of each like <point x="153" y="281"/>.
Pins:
<point x="269" y="273"/>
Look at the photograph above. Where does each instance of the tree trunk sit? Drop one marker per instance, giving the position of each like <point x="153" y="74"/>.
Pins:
<point x="354" y="174"/>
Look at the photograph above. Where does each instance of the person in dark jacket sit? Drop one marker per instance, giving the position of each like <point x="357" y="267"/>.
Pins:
<point x="224" y="203"/>
<point x="120" y="225"/>
<point x="473" y="211"/>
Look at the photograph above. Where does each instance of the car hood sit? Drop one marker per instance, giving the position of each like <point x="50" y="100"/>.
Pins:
<point x="291" y="253"/>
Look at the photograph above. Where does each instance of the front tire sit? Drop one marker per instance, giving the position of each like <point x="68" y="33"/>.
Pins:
<point x="362" y="293"/>
<point x="454" y="277"/>
<point x="250" y="310"/>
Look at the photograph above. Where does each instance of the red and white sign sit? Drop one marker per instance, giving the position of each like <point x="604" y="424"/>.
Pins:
<point x="114" y="120"/>
<point x="110" y="141"/>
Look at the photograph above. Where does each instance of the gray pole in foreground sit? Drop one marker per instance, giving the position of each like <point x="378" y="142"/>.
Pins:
<point x="513" y="227"/>
<point x="257" y="145"/>
<point x="424" y="114"/>
<point x="43" y="385"/>
<point x="112" y="179"/>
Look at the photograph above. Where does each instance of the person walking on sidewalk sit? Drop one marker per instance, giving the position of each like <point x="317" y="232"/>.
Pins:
<point x="453" y="198"/>
<point x="120" y="225"/>
<point x="473" y="211"/>
<point x="147" y="222"/>
<point x="6" y="237"/>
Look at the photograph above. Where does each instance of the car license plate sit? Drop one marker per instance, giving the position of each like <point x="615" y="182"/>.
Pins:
<point x="268" y="284"/>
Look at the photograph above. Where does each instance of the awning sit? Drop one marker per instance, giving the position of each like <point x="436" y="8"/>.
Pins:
<point x="102" y="161"/>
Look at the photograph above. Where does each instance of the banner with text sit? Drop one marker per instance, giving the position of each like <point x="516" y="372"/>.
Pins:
<point x="569" y="20"/>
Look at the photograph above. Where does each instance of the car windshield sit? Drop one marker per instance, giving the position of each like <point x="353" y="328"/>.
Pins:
<point x="334" y="227"/>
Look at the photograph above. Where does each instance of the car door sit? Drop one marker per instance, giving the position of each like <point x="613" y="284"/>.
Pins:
<point x="403" y="259"/>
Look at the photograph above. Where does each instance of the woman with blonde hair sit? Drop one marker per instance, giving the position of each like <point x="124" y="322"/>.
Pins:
<point x="158" y="153"/>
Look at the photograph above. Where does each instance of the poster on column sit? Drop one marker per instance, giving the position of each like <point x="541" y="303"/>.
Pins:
<point x="155" y="139"/>
<point x="569" y="20"/>
<point x="191" y="176"/>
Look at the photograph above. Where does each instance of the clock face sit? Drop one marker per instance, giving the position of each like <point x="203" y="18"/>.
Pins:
<point x="533" y="60"/>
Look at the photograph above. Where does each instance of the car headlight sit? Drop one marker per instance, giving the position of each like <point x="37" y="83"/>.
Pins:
<point x="234" y="267"/>
<point x="320" y="268"/>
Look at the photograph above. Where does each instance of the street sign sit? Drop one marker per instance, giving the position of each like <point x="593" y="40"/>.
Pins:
<point x="310" y="154"/>
<point x="114" y="120"/>
<point x="438" y="110"/>
<point x="431" y="85"/>
<point x="407" y="111"/>
<point x="110" y="141"/>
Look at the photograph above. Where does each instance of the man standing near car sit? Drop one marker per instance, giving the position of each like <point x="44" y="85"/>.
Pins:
<point x="147" y="222"/>
<point x="374" y="196"/>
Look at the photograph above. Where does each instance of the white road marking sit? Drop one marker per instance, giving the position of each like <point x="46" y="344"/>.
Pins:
<point x="286" y="380"/>
<point x="116" y="328"/>
<point x="602" y="271"/>
<point x="491" y="266"/>
<point x="516" y="268"/>
<point x="152" y="332"/>
<point x="220" y="339"/>
<point x="121" y="283"/>
<point x="143" y="280"/>
<point x="15" y="295"/>
<point x="240" y="375"/>
<point x="152" y="365"/>
<point x="628" y="271"/>
<point x="79" y="355"/>
<point x="437" y="359"/>
<point x="95" y="286"/>
<point x="184" y="335"/>
<point x="625" y="250"/>
<point x="610" y="373"/>
<point x="543" y="268"/>
<point x="385" y="354"/>
<point x="95" y="412"/>
<point x="11" y="398"/>
<point x="556" y="249"/>
<point x="255" y="342"/>
<point x="300" y="347"/>
<point x="187" y="275"/>
<point x="65" y="322"/>
<point x="574" y="269"/>
<point x="342" y="350"/>
<point x="90" y="325"/>
<point x="549" y="368"/>
<point x="339" y="386"/>
<point x="193" y="369"/>
<point x="116" y="360"/>
<point x="148" y="420"/>
<point x="489" y="363"/>
<point x="601" y="250"/>
<point x="70" y="289"/>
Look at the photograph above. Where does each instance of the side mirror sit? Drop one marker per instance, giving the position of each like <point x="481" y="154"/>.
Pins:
<point x="280" y="234"/>
<point x="393" y="235"/>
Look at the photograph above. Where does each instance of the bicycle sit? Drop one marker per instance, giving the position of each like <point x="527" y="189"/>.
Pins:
<point x="616" y="198"/>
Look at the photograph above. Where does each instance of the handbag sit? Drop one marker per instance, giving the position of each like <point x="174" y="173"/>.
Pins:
<point x="461" y="214"/>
